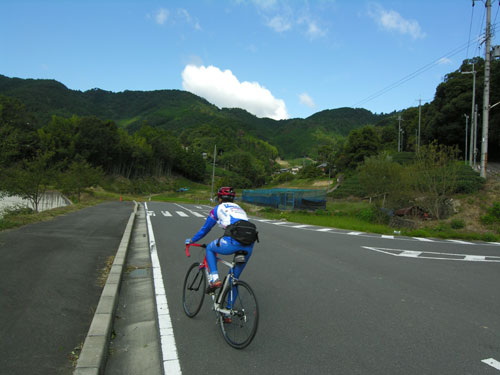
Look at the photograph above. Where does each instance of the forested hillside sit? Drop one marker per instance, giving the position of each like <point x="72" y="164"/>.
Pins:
<point x="177" y="111"/>
<point x="141" y="134"/>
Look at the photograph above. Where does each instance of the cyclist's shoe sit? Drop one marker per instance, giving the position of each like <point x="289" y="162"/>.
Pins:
<point x="212" y="287"/>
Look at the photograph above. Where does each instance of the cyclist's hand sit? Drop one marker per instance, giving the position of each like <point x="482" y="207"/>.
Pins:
<point x="188" y="241"/>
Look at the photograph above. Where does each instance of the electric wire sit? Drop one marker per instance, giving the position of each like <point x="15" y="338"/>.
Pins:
<point x="423" y="69"/>
<point x="470" y="31"/>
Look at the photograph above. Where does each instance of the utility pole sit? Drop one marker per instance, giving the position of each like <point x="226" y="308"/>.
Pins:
<point x="472" y="110"/>
<point x="466" y="131"/>
<point x="419" y="122"/>
<point x="475" y="136"/>
<point x="399" y="133"/>
<point x="486" y="95"/>
<point x="213" y="174"/>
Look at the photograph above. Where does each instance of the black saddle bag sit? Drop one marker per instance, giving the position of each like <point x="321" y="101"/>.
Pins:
<point x="243" y="231"/>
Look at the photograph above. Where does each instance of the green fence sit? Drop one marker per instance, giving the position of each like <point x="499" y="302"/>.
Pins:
<point x="286" y="199"/>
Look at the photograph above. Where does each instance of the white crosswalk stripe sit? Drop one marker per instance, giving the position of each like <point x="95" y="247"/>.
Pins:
<point x="182" y="213"/>
<point x="166" y="213"/>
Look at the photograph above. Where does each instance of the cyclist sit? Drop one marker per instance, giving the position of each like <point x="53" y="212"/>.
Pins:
<point x="230" y="217"/>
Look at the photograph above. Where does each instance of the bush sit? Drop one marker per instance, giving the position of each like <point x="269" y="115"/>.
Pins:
<point x="457" y="224"/>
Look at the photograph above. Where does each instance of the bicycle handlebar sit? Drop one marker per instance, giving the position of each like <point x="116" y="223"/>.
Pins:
<point x="193" y="244"/>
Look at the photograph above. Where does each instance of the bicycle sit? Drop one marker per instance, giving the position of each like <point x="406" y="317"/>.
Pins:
<point x="235" y="304"/>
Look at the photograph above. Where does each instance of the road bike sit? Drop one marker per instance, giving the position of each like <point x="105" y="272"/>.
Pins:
<point x="235" y="304"/>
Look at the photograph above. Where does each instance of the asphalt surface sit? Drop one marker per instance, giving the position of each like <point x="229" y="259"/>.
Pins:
<point x="339" y="302"/>
<point x="49" y="289"/>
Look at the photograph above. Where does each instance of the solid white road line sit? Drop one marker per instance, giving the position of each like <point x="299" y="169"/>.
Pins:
<point x="492" y="362"/>
<point x="171" y="365"/>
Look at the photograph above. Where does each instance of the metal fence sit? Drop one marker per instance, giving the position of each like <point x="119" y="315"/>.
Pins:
<point x="286" y="199"/>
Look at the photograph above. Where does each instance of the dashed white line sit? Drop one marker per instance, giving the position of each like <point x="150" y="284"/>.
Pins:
<point x="462" y="242"/>
<point x="182" y="213"/>
<point x="197" y="214"/>
<point x="324" y="230"/>
<point x="354" y="233"/>
<point x="388" y="237"/>
<point x="423" y="239"/>
<point x="492" y="362"/>
<point x="300" y="226"/>
<point x="166" y="213"/>
<point x="475" y="258"/>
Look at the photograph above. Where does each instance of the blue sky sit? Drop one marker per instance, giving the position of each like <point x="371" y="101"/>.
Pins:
<point x="278" y="59"/>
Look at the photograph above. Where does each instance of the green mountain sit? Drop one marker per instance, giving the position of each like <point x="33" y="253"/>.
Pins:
<point x="181" y="111"/>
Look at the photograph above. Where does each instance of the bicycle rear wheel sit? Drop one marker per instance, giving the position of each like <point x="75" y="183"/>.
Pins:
<point x="194" y="290"/>
<point x="240" y="332"/>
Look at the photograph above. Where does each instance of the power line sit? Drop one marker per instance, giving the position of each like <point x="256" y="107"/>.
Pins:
<point x="470" y="31"/>
<point x="414" y="74"/>
<point x="425" y="68"/>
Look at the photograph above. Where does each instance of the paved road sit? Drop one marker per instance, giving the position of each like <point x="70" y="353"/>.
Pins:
<point x="48" y="286"/>
<point x="343" y="302"/>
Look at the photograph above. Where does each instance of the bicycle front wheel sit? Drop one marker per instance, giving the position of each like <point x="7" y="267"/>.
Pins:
<point x="194" y="290"/>
<point x="240" y="326"/>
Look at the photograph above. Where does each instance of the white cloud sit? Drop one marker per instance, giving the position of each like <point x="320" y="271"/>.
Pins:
<point x="279" y="24"/>
<point x="264" y="4"/>
<point x="393" y="21"/>
<point x="161" y="16"/>
<point x="314" y="31"/>
<point x="444" y="61"/>
<point x="184" y="14"/>
<point x="224" y="90"/>
<point x="305" y="99"/>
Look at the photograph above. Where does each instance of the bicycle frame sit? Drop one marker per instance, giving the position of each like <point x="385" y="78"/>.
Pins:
<point x="239" y="318"/>
<point x="228" y="280"/>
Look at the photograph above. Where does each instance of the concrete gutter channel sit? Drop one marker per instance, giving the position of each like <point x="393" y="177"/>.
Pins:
<point x="123" y="336"/>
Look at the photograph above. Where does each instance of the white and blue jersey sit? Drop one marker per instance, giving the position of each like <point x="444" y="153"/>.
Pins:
<point x="224" y="214"/>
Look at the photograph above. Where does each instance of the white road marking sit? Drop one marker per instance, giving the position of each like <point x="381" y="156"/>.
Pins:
<point x="492" y="362"/>
<point x="182" y="213"/>
<point x="475" y="258"/>
<point x="151" y="213"/>
<point x="280" y="223"/>
<point x="300" y="226"/>
<point x="166" y="213"/>
<point x="197" y="214"/>
<point x="171" y="365"/>
<point x="435" y="255"/>
<point x="462" y="242"/>
<point x="494" y="243"/>
<point x="388" y="237"/>
<point x="410" y="254"/>
<point x="423" y="239"/>
<point x="324" y="230"/>
<point x="199" y="207"/>
<point x="354" y="233"/>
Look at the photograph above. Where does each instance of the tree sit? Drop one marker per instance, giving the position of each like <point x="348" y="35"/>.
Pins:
<point x="435" y="174"/>
<point x="78" y="176"/>
<point x="29" y="179"/>
<point x="361" y="143"/>
<point x="382" y="177"/>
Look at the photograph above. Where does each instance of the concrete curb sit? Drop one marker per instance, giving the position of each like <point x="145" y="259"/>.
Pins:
<point x="92" y="359"/>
